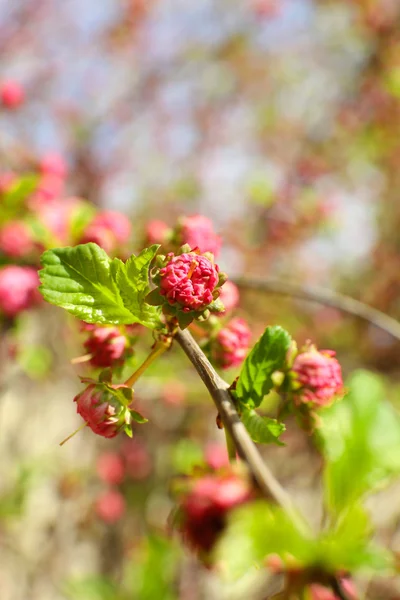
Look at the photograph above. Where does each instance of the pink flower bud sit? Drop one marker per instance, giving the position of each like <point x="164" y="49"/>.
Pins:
<point x="110" y="506"/>
<point x="101" y="411"/>
<point x="53" y="164"/>
<point x="114" y="222"/>
<point x="156" y="232"/>
<point x="319" y="375"/>
<point x="198" y="232"/>
<point x="100" y="236"/>
<point x="107" y="346"/>
<point x="110" y="468"/>
<point x="16" y="239"/>
<point x="229" y="296"/>
<point x="12" y="94"/>
<point x="48" y="189"/>
<point x="232" y="344"/>
<point x="320" y="592"/>
<point x="18" y="289"/>
<point x="189" y="281"/>
<point x="205" y="508"/>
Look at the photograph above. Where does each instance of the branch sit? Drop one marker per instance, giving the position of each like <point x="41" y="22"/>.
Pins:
<point x="326" y="297"/>
<point x="218" y="389"/>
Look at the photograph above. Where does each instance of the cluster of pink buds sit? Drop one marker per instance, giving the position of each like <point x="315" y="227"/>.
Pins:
<point x="18" y="289"/>
<point x="204" y="509"/>
<point x="103" y="409"/>
<point x="317" y="377"/>
<point x="231" y="344"/>
<point x="109" y="229"/>
<point x="188" y="285"/>
<point x="106" y="346"/>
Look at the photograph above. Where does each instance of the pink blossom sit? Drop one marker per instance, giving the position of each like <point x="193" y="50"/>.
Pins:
<point x="198" y="232"/>
<point x="100" y="411"/>
<point x="53" y="164"/>
<point x="116" y="223"/>
<point x="229" y="296"/>
<point x="205" y="508"/>
<point x="16" y="239"/>
<point x="110" y="506"/>
<point x="319" y="375"/>
<point x="232" y="344"/>
<point x="48" y="189"/>
<point x="156" y="232"/>
<point x="110" y="468"/>
<point x="189" y="281"/>
<point x="12" y="94"/>
<point x="106" y="345"/>
<point x="18" y="289"/>
<point x="174" y="392"/>
<point x="101" y="236"/>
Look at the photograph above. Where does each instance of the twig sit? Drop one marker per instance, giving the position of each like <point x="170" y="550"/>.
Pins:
<point x="218" y="389"/>
<point x="326" y="297"/>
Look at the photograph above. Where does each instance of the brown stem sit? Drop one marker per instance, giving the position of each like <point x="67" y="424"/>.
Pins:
<point x="327" y="298"/>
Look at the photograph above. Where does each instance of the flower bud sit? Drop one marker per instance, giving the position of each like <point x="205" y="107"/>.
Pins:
<point x="102" y="411"/>
<point x="156" y="232"/>
<point x="110" y="506"/>
<point x="12" y="94"/>
<point x="18" y="289"/>
<point x="16" y="239"/>
<point x="231" y="345"/>
<point x="106" y="345"/>
<point x="188" y="280"/>
<point x="198" y="232"/>
<point x="317" y="377"/>
<point x="110" y="468"/>
<point x="229" y="296"/>
<point x="205" y="508"/>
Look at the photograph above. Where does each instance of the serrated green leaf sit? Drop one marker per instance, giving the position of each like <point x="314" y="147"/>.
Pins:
<point x="262" y="430"/>
<point x="267" y="356"/>
<point x="361" y="441"/>
<point x="87" y="283"/>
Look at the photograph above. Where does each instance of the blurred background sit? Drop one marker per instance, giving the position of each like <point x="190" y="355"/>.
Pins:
<point x="277" y="119"/>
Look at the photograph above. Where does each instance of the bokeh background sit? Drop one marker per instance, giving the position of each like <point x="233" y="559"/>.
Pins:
<point x="279" y="120"/>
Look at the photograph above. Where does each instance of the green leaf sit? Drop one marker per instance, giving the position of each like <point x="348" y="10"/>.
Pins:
<point x="361" y="441"/>
<point x="267" y="356"/>
<point x="137" y="417"/>
<point x="257" y="530"/>
<point x="260" y="529"/>
<point x="87" y="283"/>
<point x="132" y="279"/>
<point x="263" y="430"/>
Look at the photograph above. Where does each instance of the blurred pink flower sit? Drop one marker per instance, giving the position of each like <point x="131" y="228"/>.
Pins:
<point x="110" y="506"/>
<point x="156" y="232"/>
<point x="229" y="296"/>
<point x="110" y="468"/>
<point x="106" y="345"/>
<point x="12" y="94"/>
<point x="198" y="232"/>
<point x="231" y="345"/>
<point x="18" y="289"/>
<point x="16" y="239"/>
<point x="320" y="376"/>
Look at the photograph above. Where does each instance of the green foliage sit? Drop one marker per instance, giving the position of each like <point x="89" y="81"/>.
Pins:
<point x="259" y="529"/>
<point x="186" y="455"/>
<point x="361" y="441"/>
<point x="96" y="289"/>
<point x="12" y="202"/>
<point x="267" y="356"/>
<point x="153" y="572"/>
<point x="263" y="430"/>
<point x="92" y="588"/>
<point x="35" y="360"/>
